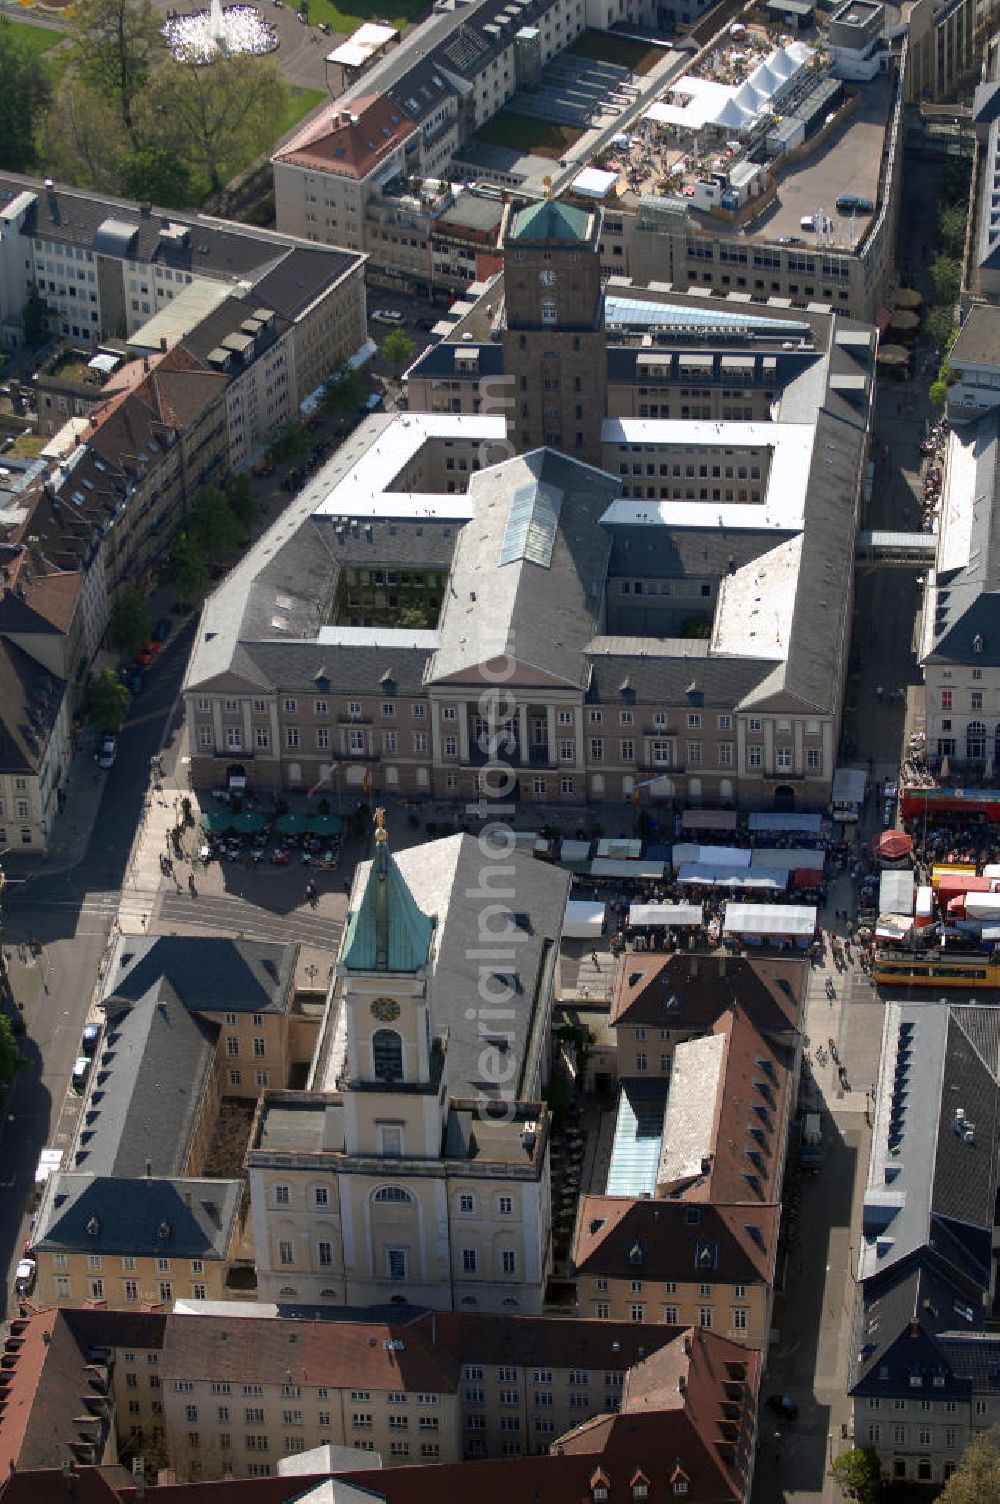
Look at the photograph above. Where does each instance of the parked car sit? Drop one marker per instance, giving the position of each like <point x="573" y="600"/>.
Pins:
<point x="88" y="1043"/>
<point x="853" y="203"/>
<point x="163" y="629"/>
<point x="81" y="1070"/>
<point x="24" y="1277"/>
<point x="387" y="316"/>
<point x="372" y="404"/>
<point x="147" y="653"/>
<point x="107" y="750"/>
<point x="134" y="680"/>
<point x="426" y="325"/>
<point x="781" y="1405"/>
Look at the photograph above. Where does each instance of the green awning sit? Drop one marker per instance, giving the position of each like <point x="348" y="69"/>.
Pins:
<point x="292" y="825"/>
<point x="216" y="821"/>
<point x="325" y="825"/>
<point x="248" y="822"/>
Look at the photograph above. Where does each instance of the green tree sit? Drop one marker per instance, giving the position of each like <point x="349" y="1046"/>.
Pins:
<point x="938" y="392"/>
<point x="130" y="622"/>
<point x="117" y="44"/>
<point x="946" y="278"/>
<point x="398" y="347"/>
<point x="344" y="389"/>
<point x="82" y="138"/>
<point x="35" y="318"/>
<point x="107" y="701"/>
<point x="977" y="1478"/>
<point x="24" y="98"/>
<point x="213" y="524"/>
<point x="216" y="117"/>
<point x="952" y="220"/>
<point x="289" y="442"/>
<point x="151" y="172"/>
<point x="185" y="569"/>
<point x="11" y="1059"/>
<point x="941" y="326"/>
<point x="955" y="180"/>
<point x="239" y="495"/>
<point x="415" y="616"/>
<point x="859" y="1475"/>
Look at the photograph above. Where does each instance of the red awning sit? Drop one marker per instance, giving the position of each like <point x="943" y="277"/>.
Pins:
<point x="893" y="844"/>
<point x="806" y="877"/>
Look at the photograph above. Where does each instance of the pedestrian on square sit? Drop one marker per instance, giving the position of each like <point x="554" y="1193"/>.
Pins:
<point x="191" y="887"/>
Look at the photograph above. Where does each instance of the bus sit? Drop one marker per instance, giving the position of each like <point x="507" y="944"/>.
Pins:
<point x="941" y="967"/>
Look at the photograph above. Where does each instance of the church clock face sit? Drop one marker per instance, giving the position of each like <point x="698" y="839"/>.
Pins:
<point x="547" y="278"/>
<point x="385" y="1009"/>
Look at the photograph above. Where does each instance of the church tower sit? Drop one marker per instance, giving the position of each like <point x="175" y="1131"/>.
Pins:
<point x="393" y="1104"/>
<point x="553" y="340"/>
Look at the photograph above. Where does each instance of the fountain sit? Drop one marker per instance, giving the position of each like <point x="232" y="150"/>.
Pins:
<point x="207" y="35"/>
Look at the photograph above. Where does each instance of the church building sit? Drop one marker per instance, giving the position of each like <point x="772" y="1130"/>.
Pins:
<point x="415" y="1165"/>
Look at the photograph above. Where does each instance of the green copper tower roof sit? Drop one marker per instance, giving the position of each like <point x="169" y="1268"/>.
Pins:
<point x="387" y="931"/>
<point x="550" y="220"/>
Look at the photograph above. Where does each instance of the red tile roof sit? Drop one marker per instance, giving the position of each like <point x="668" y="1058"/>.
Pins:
<point x="349" y="143"/>
<point x="610" y="1229"/>
<point x="689" y="992"/>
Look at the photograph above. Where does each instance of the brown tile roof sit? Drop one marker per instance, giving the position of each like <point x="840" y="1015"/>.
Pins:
<point x="30" y="698"/>
<point x="551" y="1340"/>
<point x="349" y="144"/>
<point x="107" y="1485"/>
<point x="753" y="1098"/>
<point x="51" y="1395"/>
<point x="618" y="1238"/>
<point x="85" y="1485"/>
<point x="370" y="1355"/>
<point x="689" y="992"/>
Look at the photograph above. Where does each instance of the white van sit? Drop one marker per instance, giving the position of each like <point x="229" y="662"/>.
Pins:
<point x="807" y="222"/>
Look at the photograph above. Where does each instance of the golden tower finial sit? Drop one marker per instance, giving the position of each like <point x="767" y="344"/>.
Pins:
<point x="381" y="834"/>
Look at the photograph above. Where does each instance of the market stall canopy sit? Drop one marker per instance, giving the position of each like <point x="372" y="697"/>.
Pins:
<point x="292" y="825"/>
<point x="678" y="915"/>
<point x="798" y="920"/>
<point x="325" y="825"/>
<point x="708" y="819"/>
<point x="896" y="893"/>
<point x="574" y="851"/>
<point x="216" y="821"/>
<point x="904" y="322"/>
<point x="699" y="873"/>
<point x="893" y="845"/>
<point x="806" y="877"/>
<point x="787" y="858"/>
<point x="620" y="847"/>
<point x="795" y="822"/>
<point x="584" y="920"/>
<point x="607" y="867"/>
<point x="248" y="822"/>
<point x="892" y="355"/>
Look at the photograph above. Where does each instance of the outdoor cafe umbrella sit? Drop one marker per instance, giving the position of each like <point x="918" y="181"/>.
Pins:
<point x="892" y="845"/>
<point x="216" y="821"/>
<point x="249" y="821"/>
<point x="292" y="825"/>
<point x="904" y="321"/>
<point x="907" y="297"/>
<point x="325" y="825"/>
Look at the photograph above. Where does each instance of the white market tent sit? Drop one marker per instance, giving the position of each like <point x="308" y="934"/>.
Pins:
<point x="849" y="786"/>
<point x="694" y="103"/>
<point x="678" y="915"/>
<point x="584" y="920"/>
<point x="782" y="919"/>
<point x="362" y="45"/>
<point x="731" y="877"/>
<point x="608" y="867"/>
<point x="592" y="182"/>
<point x="574" y="851"/>
<point x="982" y="905"/>
<point x="621" y="847"/>
<point x="896" y="892"/>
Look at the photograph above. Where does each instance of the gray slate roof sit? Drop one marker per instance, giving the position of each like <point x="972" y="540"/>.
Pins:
<point x="145" y="1216"/>
<point x="207" y="973"/>
<point x="967" y="600"/>
<point x="538" y="613"/>
<point x="146" y="1087"/>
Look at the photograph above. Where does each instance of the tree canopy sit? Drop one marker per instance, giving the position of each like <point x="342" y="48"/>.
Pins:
<point x="216" y="117"/>
<point x="289" y="442"/>
<point x="859" y="1474"/>
<point x="344" y="389"/>
<point x="977" y="1479"/>
<point x="946" y="279"/>
<point x="11" y="1059"/>
<point x="107" y="701"/>
<point x="213" y="525"/>
<point x="24" y="98"/>
<point x="129" y="622"/>
<point x="240" y="497"/>
<point x="397" y="347"/>
<point x="117" y="44"/>
<point x="185" y="568"/>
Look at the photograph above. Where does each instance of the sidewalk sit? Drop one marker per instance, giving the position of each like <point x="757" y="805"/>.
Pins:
<point x="72" y="826"/>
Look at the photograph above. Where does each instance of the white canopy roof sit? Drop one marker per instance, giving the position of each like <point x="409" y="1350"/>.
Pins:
<point x="682" y="915"/>
<point x="619" y="846"/>
<point x="574" y="851"/>
<point x="584" y="919"/>
<point x="770" y="919"/>
<point x="608" y="867"/>
<point x="895" y="892"/>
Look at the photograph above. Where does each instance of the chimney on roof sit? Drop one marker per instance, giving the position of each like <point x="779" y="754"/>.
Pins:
<point x="145" y="362"/>
<point x="163" y="343"/>
<point x="139" y="1476"/>
<point x="914" y="1327"/>
<point x="687" y="1344"/>
<point x="722" y="966"/>
<point x="682" y="1383"/>
<point x="149" y="1168"/>
<point x="145" y="209"/>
